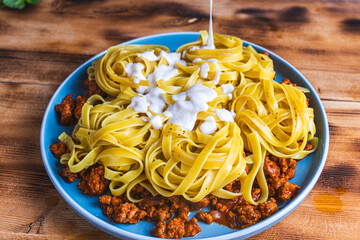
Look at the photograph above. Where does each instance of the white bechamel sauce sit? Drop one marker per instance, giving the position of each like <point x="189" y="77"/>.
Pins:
<point x="211" y="60"/>
<point x="197" y="60"/>
<point x="172" y="58"/>
<point x="153" y="100"/>
<point x="149" y="55"/>
<point x="140" y="103"/>
<point x="156" y="99"/>
<point x="210" y="41"/>
<point x="224" y="115"/>
<point x="217" y="77"/>
<point x="144" y="118"/>
<point x="156" y="122"/>
<point x="228" y="89"/>
<point x="180" y="96"/>
<point x="193" y="48"/>
<point x="135" y="70"/>
<point x="183" y="55"/>
<point x="204" y="70"/>
<point x="184" y="112"/>
<point x="163" y="72"/>
<point x="209" y="125"/>
<point x="142" y="89"/>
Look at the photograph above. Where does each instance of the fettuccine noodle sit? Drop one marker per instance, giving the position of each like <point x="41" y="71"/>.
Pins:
<point x="137" y="133"/>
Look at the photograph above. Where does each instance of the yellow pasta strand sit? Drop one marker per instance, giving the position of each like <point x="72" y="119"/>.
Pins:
<point x="270" y="118"/>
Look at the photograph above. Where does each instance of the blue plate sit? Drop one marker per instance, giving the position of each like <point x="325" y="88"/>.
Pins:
<point x="307" y="172"/>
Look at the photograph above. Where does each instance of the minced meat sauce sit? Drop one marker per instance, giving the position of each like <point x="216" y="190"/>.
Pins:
<point x="171" y="214"/>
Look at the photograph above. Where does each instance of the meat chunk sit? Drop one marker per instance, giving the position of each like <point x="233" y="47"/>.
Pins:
<point x="180" y="206"/>
<point x="113" y="200"/>
<point x="112" y="207"/>
<point x="127" y="213"/>
<point x="92" y="88"/>
<point x="156" y="208"/>
<point x="58" y="149"/>
<point x="175" y="228"/>
<point x="139" y="192"/>
<point x="248" y="215"/>
<point x="234" y="186"/>
<point x="278" y="171"/>
<point x="287" y="81"/>
<point x="268" y="208"/>
<point x="271" y="168"/>
<point x="66" y="173"/>
<point x="80" y="101"/>
<point x="205" y="217"/>
<point x="256" y="192"/>
<point x="65" y="109"/>
<point x="287" y="191"/>
<point x="198" y="205"/>
<point x="160" y="230"/>
<point x="191" y="228"/>
<point x="152" y="201"/>
<point x="93" y="181"/>
<point x="308" y="147"/>
<point x="161" y="213"/>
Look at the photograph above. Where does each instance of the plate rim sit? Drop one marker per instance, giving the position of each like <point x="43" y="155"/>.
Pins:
<point x="246" y="232"/>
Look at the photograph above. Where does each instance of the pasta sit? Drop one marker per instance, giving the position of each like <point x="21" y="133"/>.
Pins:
<point x="179" y="123"/>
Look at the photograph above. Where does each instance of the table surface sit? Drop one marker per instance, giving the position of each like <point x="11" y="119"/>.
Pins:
<point x="42" y="44"/>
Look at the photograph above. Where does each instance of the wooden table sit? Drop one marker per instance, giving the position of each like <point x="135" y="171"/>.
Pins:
<point x="41" y="45"/>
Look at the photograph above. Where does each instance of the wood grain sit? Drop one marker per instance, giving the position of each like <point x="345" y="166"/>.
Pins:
<point x="41" y="45"/>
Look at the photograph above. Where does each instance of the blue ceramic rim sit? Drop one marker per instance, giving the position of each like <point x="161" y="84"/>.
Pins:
<point x="247" y="232"/>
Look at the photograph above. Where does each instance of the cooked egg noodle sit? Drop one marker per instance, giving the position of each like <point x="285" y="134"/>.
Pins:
<point x="270" y="118"/>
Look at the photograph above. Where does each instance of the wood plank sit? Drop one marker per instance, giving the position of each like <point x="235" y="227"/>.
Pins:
<point x="49" y="40"/>
<point x="29" y="199"/>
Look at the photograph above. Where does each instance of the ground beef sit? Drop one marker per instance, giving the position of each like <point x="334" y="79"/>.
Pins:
<point x="287" y="81"/>
<point x="70" y="110"/>
<point x="234" y="186"/>
<point x="65" y="109"/>
<point x="175" y="228"/>
<point x="307" y="147"/>
<point x="160" y="230"/>
<point x="198" y="205"/>
<point x="268" y="208"/>
<point x="80" y="101"/>
<point x="287" y="190"/>
<point x="139" y="192"/>
<point x="161" y="213"/>
<point x="205" y="217"/>
<point x="66" y="173"/>
<point x="92" y="88"/>
<point x="128" y="213"/>
<point x="271" y="169"/>
<point x="120" y="210"/>
<point x="191" y="228"/>
<point x="247" y="215"/>
<point x="156" y="208"/>
<point x="255" y="194"/>
<point x="58" y="149"/>
<point x="180" y="206"/>
<point x="278" y="172"/>
<point x="171" y="214"/>
<point x="93" y="181"/>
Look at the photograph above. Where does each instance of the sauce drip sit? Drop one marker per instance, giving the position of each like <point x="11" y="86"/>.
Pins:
<point x="328" y="203"/>
<point x="210" y="42"/>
